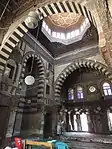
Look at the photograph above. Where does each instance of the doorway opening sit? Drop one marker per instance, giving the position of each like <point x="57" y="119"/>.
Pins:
<point x="109" y="114"/>
<point x="80" y="123"/>
<point x="84" y="122"/>
<point x="47" y="125"/>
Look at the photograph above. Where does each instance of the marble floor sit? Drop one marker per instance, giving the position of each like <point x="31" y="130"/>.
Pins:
<point x="88" y="145"/>
<point x="87" y="140"/>
<point x="88" y="137"/>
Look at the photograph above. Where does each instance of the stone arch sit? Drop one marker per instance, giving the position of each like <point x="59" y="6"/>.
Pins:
<point x="41" y="69"/>
<point x="75" y="65"/>
<point x="66" y="6"/>
<point x="19" y="30"/>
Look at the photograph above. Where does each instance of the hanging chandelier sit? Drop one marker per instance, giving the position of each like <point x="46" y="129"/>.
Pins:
<point x="29" y="80"/>
<point x="32" y="22"/>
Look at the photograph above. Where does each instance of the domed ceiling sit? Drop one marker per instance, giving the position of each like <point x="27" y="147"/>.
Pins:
<point x="65" y="28"/>
<point x="64" y="21"/>
<point x="65" y="32"/>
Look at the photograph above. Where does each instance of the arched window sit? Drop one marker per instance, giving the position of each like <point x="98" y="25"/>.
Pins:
<point x="80" y="93"/>
<point x="106" y="88"/>
<point x="70" y="94"/>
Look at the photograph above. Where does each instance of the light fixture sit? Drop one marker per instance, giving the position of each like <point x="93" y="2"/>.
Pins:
<point x="32" y="21"/>
<point x="29" y="80"/>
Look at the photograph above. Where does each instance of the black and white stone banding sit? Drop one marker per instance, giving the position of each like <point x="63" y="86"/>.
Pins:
<point x="41" y="78"/>
<point x="75" y="65"/>
<point x="10" y="43"/>
<point x="66" y="6"/>
<point x="50" y="9"/>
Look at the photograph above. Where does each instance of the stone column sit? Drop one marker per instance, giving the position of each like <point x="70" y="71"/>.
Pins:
<point x="42" y="121"/>
<point x="67" y="121"/>
<point x="79" y="128"/>
<point x="15" y="120"/>
<point x="69" y="124"/>
<point x="18" y="73"/>
<point x="19" y="113"/>
<point x="18" y="122"/>
<point x="90" y="129"/>
<point x="55" y="118"/>
<point x="11" y="122"/>
<point x="104" y="122"/>
<point x="72" y="119"/>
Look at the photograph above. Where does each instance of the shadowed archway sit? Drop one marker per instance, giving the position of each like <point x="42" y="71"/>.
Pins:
<point x="75" y="65"/>
<point x="41" y="73"/>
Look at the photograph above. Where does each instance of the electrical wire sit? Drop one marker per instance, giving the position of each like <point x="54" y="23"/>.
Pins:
<point x="4" y="10"/>
<point x="38" y="29"/>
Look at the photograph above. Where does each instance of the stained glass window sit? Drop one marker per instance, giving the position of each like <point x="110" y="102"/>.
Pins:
<point x="80" y="93"/>
<point x="70" y="94"/>
<point x="106" y="88"/>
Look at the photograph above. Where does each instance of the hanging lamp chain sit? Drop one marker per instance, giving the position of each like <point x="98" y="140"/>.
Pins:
<point x="35" y="46"/>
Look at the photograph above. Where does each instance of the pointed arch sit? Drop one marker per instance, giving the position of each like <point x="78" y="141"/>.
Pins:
<point x="41" y="69"/>
<point x="20" y="29"/>
<point x="75" y="65"/>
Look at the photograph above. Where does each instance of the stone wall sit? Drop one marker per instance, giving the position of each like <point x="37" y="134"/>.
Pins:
<point x="90" y="6"/>
<point x="60" y="64"/>
<point x="17" y="124"/>
<point x="64" y="61"/>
